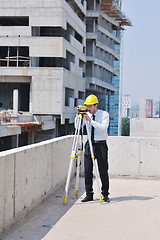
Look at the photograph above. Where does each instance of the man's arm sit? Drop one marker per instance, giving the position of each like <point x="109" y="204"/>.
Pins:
<point x="105" y="122"/>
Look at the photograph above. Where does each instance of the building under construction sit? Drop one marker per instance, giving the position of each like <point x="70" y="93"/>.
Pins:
<point x="52" y="55"/>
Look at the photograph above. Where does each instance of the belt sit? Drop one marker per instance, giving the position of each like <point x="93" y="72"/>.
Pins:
<point x="100" y="141"/>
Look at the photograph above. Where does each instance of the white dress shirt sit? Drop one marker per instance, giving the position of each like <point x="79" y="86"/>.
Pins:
<point x="100" y="124"/>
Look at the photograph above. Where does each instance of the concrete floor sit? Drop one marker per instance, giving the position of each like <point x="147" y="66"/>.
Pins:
<point x="132" y="214"/>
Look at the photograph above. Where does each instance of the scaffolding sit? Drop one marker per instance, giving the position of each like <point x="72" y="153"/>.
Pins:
<point x="113" y="9"/>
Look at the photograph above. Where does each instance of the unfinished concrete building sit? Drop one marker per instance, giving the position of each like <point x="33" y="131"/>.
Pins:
<point x="42" y="54"/>
<point x="52" y="55"/>
<point x="103" y="23"/>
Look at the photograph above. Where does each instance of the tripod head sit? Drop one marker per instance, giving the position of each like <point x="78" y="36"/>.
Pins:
<point x="82" y="109"/>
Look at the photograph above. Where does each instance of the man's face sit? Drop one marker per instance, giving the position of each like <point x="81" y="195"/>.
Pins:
<point x="92" y="108"/>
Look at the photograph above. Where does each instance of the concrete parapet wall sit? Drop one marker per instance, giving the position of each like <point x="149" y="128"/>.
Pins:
<point x="29" y="174"/>
<point x="134" y="156"/>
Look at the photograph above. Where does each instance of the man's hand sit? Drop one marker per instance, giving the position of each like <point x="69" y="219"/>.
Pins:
<point x="88" y="118"/>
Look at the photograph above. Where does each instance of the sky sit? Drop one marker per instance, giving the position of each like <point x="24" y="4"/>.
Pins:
<point x="141" y="50"/>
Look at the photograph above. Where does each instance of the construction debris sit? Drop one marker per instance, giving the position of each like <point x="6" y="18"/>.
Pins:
<point x="6" y="115"/>
<point x="7" y="118"/>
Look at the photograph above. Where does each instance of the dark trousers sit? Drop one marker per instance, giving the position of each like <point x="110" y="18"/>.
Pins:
<point x="101" y="154"/>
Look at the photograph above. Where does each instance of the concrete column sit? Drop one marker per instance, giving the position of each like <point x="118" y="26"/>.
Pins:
<point x="31" y="138"/>
<point x="108" y="110"/>
<point x="94" y="25"/>
<point x="34" y="62"/>
<point x="93" y="48"/>
<point x="94" y="5"/>
<point x="8" y="58"/>
<point x="30" y="98"/>
<point x="93" y="73"/>
<point x="108" y="103"/>
<point x="17" y="140"/>
<point x="17" y="55"/>
<point x="13" y="143"/>
<point x="15" y="102"/>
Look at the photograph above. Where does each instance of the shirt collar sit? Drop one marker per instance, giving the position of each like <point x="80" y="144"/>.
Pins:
<point x="96" y="112"/>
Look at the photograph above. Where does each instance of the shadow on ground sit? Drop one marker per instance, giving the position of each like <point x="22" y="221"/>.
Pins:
<point x="36" y="224"/>
<point x="129" y="198"/>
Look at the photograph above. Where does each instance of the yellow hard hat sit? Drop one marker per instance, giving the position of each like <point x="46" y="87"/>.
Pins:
<point x="91" y="99"/>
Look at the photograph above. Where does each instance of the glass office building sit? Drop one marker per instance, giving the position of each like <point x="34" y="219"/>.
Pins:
<point x="115" y="100"/>
<point x="114" y="110"/>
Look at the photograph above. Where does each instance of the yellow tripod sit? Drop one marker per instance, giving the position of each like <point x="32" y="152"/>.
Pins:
<point x="78" y="153"/>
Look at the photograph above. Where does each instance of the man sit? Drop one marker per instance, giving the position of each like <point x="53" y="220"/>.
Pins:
<point x="98" y="124"/>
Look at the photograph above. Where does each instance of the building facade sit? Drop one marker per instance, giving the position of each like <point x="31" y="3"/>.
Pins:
<point x="100" y="54"/>
<point x="54" y="54"/>
<point x="135" y="111"/>
<point x="126" y="106"/>
<point x="114" y="102"/>
<point x="42" y="54"/>
<point x="146" y="108"/>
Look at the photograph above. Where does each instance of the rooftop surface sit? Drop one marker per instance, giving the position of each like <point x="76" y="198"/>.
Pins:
<point x="133" y="213"/>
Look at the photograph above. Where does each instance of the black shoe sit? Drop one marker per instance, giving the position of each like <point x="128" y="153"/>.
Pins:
<point x="106" y="199"/>
<point x="88" y="198"/>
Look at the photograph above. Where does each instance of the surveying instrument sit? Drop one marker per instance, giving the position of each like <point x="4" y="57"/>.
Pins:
<point x="77" y="153"/>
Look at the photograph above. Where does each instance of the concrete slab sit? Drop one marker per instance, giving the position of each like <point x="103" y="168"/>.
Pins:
<point x="133" y="213"/>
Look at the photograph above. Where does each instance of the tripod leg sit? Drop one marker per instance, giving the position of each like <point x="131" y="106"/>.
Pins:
<point x="79" y="155"/>
<point x="73" y="154"/>
<point x="97" y="180"/>
<point x="77" y="174"/>
<point x="68" y="180"/>
<point x="93" y="159"/>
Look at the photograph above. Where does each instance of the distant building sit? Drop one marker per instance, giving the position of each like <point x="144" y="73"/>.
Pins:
<point x="126" y="105"/>
<point x="156" y="109"/>
<point x="135" y="111"/>
<point x="146" y="108"/>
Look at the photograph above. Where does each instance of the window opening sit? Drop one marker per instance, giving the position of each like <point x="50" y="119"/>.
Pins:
<point x="14" y="21"/>
<point x="6" y="95"/>
<point x="69" y="93"/>
<point x="14" y="56"/>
